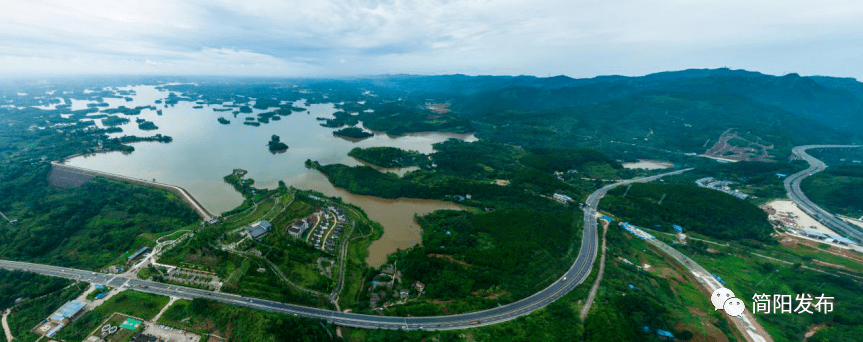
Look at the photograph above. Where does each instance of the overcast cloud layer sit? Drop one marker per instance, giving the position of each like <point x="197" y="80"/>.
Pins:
<point x="362" y="37"/>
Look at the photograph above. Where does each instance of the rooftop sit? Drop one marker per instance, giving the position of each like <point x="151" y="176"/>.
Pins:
<point x="67" y="310"/>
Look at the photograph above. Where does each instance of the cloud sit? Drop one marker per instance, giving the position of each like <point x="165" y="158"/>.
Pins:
<point x="326" y="37"/>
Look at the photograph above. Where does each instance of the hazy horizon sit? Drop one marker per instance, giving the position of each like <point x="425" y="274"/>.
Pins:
<point x="312" y="39"/>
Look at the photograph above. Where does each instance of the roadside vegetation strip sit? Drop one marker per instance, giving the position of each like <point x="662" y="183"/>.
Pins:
<point x="747" y="323"/>
<point x="592" y="295"/>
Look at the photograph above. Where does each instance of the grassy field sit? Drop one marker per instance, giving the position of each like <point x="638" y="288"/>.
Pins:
<point x="135" y="304"/>
<point x="243" y="324"/>
<point x="837" y="189"/>
<point x="661" y="295"/>
<point x="786" y="272"/>
<point x="122" y="335"/>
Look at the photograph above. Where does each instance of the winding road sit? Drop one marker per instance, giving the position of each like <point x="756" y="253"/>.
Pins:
<point x="577" y="273"/>
<point x="792" y="186"/>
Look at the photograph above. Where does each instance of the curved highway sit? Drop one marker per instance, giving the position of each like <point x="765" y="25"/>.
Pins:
<point x="577" y="273"/>
<point x="792" y="186"/>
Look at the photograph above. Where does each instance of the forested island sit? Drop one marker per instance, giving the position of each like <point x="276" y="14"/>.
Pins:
<point x="276" y="146"/>
<point x="114" y="121"/>
<point x="353" y="133"/>
<point x="126" y="110"/>
<point x="147" y="125"/>
<point x="224" y="121"/>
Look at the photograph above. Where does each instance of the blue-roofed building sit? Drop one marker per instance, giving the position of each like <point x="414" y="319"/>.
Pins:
<point x="635" y="231"/>
<point x="54" y="330"/>
<point x="816" y="235"/>
<point x="98" y="287"/>
<point x="258" y="229"/>
<point x="842" y="240"/>
<point x="781" y="175"/>
<point x="607" y="218"/>
<point x="138" y="253"/>
<point x="68" y="311"/>
<point x="677" y="228"/>
<point x="663" y="334"/>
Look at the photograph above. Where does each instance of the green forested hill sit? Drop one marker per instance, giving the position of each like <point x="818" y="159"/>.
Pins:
<point x="839" y="189"/>
<point x="678" y="123"/>
<point x="705" y="211"/>
<point x="831" y="101"/>
<point x="88" y="226"/>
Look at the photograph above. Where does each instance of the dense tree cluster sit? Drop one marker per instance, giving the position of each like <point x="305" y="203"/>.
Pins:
<point x="706" y="211"/>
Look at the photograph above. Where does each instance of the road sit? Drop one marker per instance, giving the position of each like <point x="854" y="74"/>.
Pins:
<point x="577" y="273"/>
<point x="792" y="186"/>
<point x="746" y="323"/>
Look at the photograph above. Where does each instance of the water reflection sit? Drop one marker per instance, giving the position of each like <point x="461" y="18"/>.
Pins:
<point x="204" y="151"/>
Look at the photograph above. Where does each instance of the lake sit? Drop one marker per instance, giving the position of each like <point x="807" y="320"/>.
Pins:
<point x="204" y="151"/>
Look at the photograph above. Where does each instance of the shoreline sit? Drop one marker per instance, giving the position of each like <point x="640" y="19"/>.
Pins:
<point x="184" y="195"/>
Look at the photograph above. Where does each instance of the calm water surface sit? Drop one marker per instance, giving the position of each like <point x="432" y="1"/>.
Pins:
<point x="204" y="151"/>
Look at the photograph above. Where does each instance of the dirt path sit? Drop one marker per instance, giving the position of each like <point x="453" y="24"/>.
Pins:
<point x="170" y="302"/>
<point x="595" y="287"/>
<point x="6" y="325"/>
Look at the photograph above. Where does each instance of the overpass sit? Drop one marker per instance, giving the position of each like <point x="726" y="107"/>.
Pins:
<point x="577" y="273"/>
<point x="792" y="186"/>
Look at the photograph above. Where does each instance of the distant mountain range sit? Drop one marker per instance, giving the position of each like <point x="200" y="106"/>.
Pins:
<point x="835" y="102"/>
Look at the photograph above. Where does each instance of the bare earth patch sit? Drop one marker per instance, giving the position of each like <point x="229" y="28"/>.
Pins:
<point x="450" y="258"/>
<point x="732" y="146"/>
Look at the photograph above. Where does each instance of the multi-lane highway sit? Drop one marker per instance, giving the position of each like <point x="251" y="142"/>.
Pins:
<point x="792" y="186"/>
<point x="577" y="273"/>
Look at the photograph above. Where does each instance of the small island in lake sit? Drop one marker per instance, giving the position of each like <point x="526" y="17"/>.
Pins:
<point x="276" y="146"/>
<point x="353" y="133"/>
<point x="147" y="125"/>
<point x="224" y="121"/>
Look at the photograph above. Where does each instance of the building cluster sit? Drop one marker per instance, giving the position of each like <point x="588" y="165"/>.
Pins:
<point x="636" y="231"/>
<point x="67" y="313"/>
<point x="323" y="236"/>
<point x="825" y="237"/>
<point x="299" y="227"/>
<point x="387" y="289"/>
<point x="790" y="222"/>
<point x="718" y="185"/>
<point x="559" y="174"/>
<point x="562" y="198"/>
<point x="258" y="229"/>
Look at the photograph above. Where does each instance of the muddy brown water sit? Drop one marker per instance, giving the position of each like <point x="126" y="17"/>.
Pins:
<point x="204" y="151"/>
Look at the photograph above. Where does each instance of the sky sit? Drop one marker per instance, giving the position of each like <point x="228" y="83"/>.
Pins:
<point x="490" y="37"/>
